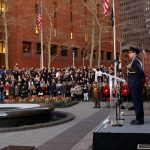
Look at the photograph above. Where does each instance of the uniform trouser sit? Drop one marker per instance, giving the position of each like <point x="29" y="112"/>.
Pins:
<point x="97" y="101"/>
<point x="86" y="97"/>
<point x="137" y="98"/>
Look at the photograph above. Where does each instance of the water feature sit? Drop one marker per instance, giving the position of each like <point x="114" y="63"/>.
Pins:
<point x="29" y="116"/>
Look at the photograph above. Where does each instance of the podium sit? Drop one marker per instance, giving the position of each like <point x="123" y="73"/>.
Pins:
<point x="127" y="137"/>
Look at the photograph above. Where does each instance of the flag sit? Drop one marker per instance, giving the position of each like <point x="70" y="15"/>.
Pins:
<point x="106" y="7"/>
<point x="112" y="18"/>
<point x="39" y="21"/>
<point x="39" y="17"/>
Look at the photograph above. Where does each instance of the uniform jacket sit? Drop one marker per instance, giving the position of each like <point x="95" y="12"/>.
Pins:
<point x="136" y="75"/>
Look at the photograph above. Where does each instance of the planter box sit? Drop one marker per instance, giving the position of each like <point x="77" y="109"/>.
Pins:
<point x="15" y="147"/>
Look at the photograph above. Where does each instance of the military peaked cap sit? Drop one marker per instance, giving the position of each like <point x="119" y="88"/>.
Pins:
<point x="131" y="48"/>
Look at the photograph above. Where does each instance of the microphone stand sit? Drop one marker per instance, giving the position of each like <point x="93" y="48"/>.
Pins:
<point x="117" y="117"/>
<point x="117" y="124"/>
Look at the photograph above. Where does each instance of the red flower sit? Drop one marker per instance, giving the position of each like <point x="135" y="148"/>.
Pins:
<point x="125" y="90"/>
<point x="106" y="89"/>
<point x="7" y="86"/>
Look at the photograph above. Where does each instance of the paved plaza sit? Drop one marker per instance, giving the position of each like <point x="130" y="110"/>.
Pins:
<point x="73" y="135"/>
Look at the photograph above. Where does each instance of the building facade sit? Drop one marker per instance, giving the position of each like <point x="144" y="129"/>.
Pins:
<point x="135" y="25"/>
<point x="135" y="19"/>
<point x="67" y="33"/>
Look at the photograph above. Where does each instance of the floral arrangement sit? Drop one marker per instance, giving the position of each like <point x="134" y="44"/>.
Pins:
<point x="58" y="101"/>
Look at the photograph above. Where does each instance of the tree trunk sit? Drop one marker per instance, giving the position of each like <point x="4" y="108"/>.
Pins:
<point x="49" y="54"/>
<point x="6" y="40"/>
<point x="99" y="47"/>
<point x="93" y="42"/>
<point x="49" y="44"/>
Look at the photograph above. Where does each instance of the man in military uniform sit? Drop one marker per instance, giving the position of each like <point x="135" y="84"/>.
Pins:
<point x="136" y="83"/>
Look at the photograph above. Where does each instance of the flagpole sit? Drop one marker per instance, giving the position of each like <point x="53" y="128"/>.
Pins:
<point x="41" y="59"/>
<point x="114" y="33"/>
<point x="143" y="57"/>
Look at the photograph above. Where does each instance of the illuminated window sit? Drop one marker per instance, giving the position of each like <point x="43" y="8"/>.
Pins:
<point x="85" y="37"/>
<point x="2" y="6"/>
<point x="2" y="47"/>
<point x="36" y="29"/>
<point x="26" y="47"/>
<point x="55" y="32"/>
<point x="71" y="35"/>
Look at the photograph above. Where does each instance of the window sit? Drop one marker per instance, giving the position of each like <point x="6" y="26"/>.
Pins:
<point x="3" y="6"/>
<point x="98" y="10"/>
<point x="75" y="50"/>
<point x="55" y="7"/>
<point x="71" y="15"/>
<point x="55" y="31"/>
<point x="108" y="55"/>
<point x="64" y="51"/>
<point x="94" y="54"/>
<point x="26" y="47"/>
<point x="102" y="55"/>
<point x="117" y="56"/>
<point x="39" y="48"/>
<point x="85" y="37"/>
<point x="53" y="50"/>
<point x="36" y="29"/>
<point x="2" y="47"/>
<point x="71" y="34"/>
<point x="36" y="7"/>
<point x="71" y="11"/>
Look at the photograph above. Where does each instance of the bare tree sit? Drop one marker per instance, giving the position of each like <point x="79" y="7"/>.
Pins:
<point x="50" y="28"/>
<point x="5" y="27"/>
<point x="100" y="27"/>
<point x="8" y="21"/>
